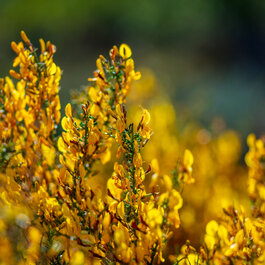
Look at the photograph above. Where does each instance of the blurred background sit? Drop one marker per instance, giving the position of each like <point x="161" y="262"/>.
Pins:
<point x="202" y="64"/>
<point x="208" y="55"/>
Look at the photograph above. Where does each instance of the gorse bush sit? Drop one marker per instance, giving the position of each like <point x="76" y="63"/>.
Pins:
<point x="45" y="180"/>
<point x="61" y="203"/>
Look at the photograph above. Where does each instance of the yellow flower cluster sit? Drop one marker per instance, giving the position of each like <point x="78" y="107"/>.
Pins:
<point x="51" y="209"/>
<point x="219" y="173"/>
<point x="237" y="238"/>
<point x="255" y="160"/>
<point x="108" y="189"/>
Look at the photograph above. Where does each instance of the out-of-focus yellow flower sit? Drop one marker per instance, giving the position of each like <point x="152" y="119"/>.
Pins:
<point x="52" y="191"/>
<point x="78" y="258"/>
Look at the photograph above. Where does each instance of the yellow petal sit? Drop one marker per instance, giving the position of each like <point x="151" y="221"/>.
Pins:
<point x="118" y="110"/>
<point x="42" y="45"/>
<point x="155" y="166"/>
<point x="70" y="163"/>
<point x="209" y="241"/>
<point x="188" y="158"/>
<point x="16" y="62"/>
<point x="68" y="110"/>
<point x="239" y="238"/>
<point x="95" y="110"/>
<point x="105" y="157"/>
<point x="78" y="258"/>
<point x="93" y="94"/>
<point x="125" y="51"/>
<point x="61" y="145"/>
<point x="24" y="37"/>
<point x="167" y="182"/>
<point x="15" y="74"/>
<point x="146" y="116"/>
<point x="137" y="76"/>
<point x="251" y="139"/>
<point x="212" y="228"/>
<point x="222" y="233"/>
<point x="175" y="200"/>
<point x="65" y="124"/>
<point x="52" y="69"/>
<point x="34" y="235"/>
<point x="120" y="210"/>
<point x="48" y="153"/>
<point x="100" y="68"/>
<point x="137" y="160"/>
<point x="14" y="47"/>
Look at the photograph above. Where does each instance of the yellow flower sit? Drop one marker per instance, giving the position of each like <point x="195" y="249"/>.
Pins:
<point x="78" y="258"/>
<point x="48" y="153"/>
<point x="175" y="200"/>
<point x="212" y="228"/>
<point x="25" y="38"/>
<point x="125" y="51"/>
<point x="154" y="217"/>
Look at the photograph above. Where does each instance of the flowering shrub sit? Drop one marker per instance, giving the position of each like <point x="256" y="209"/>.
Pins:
<point x="51" y="213"/>
<point x="238" y="238"/>
<point x="86" y="196"/>
<point x="219" y="173"/>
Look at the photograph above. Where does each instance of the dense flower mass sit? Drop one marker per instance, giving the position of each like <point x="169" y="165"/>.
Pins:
<point x="237" y="238"/>
<point x="82" y="193"/>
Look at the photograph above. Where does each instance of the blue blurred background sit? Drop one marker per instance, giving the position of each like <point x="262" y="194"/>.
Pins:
<point x="208" y="54"/>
